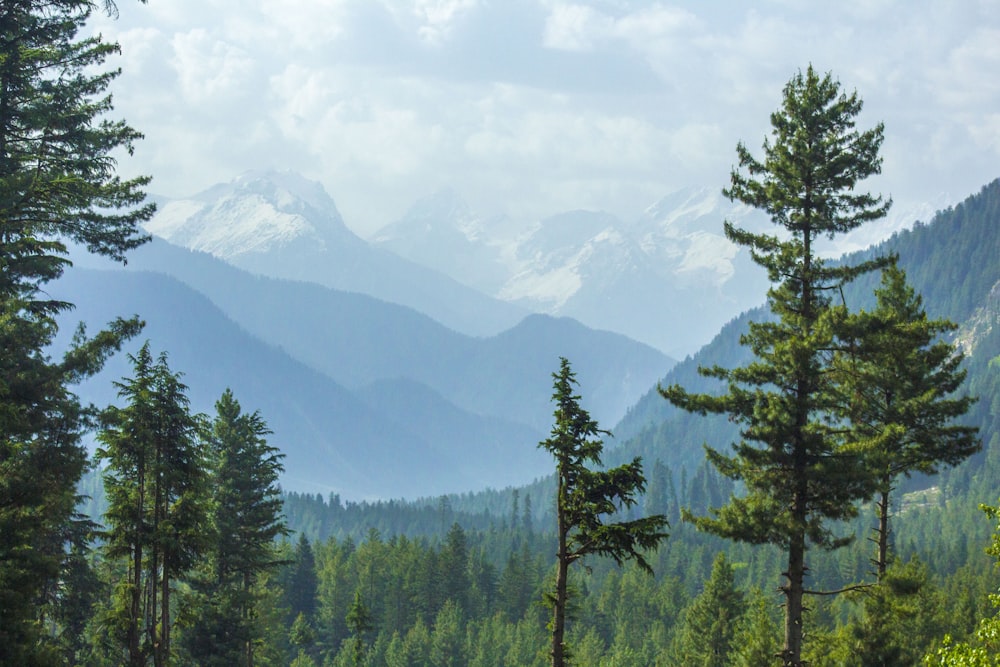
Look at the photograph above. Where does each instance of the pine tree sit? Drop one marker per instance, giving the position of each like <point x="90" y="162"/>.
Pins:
<point x="586" y="498"/>
<point x="156" y="520"/>
<point x="707" y="636"/>
<point x="359" y="623"/>
<point x="898" y="381"/>
<point x="246" y="518"/>
<point x="796" y="474"/>
<point x="57" y="185"/>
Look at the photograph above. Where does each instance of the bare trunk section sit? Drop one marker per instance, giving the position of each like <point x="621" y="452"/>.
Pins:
<point x="882" y="537"/>
<point x="561" y="595"/>
<point x="791" y="654"/>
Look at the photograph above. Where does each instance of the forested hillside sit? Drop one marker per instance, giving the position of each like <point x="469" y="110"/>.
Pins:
<point x="938" y="534"/>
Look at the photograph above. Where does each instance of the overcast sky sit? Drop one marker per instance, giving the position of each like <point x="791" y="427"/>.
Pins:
<point x="534" y="107"/>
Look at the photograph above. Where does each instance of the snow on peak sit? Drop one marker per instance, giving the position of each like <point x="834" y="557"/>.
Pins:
<point x="257" y="211"/>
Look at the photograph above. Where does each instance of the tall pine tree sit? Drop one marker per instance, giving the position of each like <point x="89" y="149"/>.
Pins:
<point x="587" y="500"/>
<point x="898" y="379"/>
<point x="245" y="513"/>
<point x="797" y="477"/>
<point x="57" y="185"/>
<point x="156" y="522"/>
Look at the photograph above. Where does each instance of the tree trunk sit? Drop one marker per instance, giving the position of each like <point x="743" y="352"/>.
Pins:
<point x="791" y="655"/>
<point x="559" y="606"/>
<point x="135" y="656"/>
<point x="882" y="557"/>
<point x="164" y="651"/>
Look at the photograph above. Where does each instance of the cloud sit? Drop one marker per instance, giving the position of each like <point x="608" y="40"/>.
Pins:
<point x="538" y="106"/>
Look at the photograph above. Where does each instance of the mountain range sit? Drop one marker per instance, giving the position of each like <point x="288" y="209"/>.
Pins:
<point x="384" y="378"/>
<point x="367" y="398"/>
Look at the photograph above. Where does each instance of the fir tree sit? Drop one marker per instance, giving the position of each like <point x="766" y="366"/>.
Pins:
<point x="156" y="522"/>
<point x="707" y="636"/>
<point x="897" y="384"/>
<point x="246" y="518"/>
<point x="57" y="185"/>
<point x="796" y="474"/>
<point x="586" y="498"/>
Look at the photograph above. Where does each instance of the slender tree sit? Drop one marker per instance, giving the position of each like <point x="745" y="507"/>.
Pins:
<point x="707" y="634"/>
<point x="245" y="512"/>
<point x="360" y="624"/>
<point x="898" y="383"/>
<point x="156" y="524"/>
<point x="587" y="499"/>
<point x="57" y="185"/>
<point x="797" y="475"/>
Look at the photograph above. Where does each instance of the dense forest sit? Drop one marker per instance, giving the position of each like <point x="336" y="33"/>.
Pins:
<point x="814" y="487"/>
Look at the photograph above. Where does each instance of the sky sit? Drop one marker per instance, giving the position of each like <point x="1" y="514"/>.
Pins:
<point x="534" y="107"/>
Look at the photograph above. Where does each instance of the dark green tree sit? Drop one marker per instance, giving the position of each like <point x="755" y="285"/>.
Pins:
<point x="57" y="186"/>
<point x="898" y="383"/>
<point x="246" y="518"/>
<point x="360" y="623"/>
<point x="156" y="519"/>
<point x="707" y="635"/>
<point x="587" y="499"/>
<point x="301" y="582"/>
<point x="797" y="475"/>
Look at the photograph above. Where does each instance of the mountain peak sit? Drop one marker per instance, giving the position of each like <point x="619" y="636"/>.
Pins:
<point x="252" y="214"/>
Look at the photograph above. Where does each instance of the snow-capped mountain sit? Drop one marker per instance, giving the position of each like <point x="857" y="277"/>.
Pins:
<point x="256" y="214"/>
<point x="282" y="225"/>
<point x="667" y="279"/>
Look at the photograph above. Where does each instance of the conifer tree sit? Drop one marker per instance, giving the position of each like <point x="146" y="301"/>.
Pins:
<point x="359" y="623"/>
<point x="586" y="499"/>
<point x="57" y="185"/>
<point x="707" y="636"/>
<point x="156" y="521"/>
<point x="246" y="519"/>
<point x="898" y="379"/>
<point x="797" y="476"/>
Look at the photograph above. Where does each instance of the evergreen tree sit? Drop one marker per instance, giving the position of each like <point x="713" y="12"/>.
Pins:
<point x="585" y="498"/>
<point x="301" y="584"/>
<point x="359" y="623"/>
<point x="156" y="522"/>
<point x="790" y="459"/>
<point x="756" y="640"/>
<point x="900" y="616"/>
<point x="454" y="562"/>
<point x="57" y="186"/>
<point x="706" y="638"/>
<point x="897" y="386"/>
<point x="246" y="518"/>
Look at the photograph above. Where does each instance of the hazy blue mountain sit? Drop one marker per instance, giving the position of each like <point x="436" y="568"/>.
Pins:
<point x="953" y="262"/>
<point x="282" y="225"/>
<point x="668" y="279"/>
<point x="357" y="340"/>
<point x="367" y="398"/>
<point x="333" y="440"/>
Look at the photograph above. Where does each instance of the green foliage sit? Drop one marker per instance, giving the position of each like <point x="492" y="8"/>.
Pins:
<point x="57" y="185"/>
<point x="584" y="497"/>
<point x="897" y="386"/>
<point x="156" y="518"/>
<point x="790" y="459"/>
<point x="707" y="634"/>
<point x="245" y="515"/>
<point x="985" y="651"/>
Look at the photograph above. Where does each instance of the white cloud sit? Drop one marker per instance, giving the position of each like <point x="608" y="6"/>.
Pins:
<point x="209" y="68"/>
<point x="537" y="106"/>
<point x="574" y="27"/>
